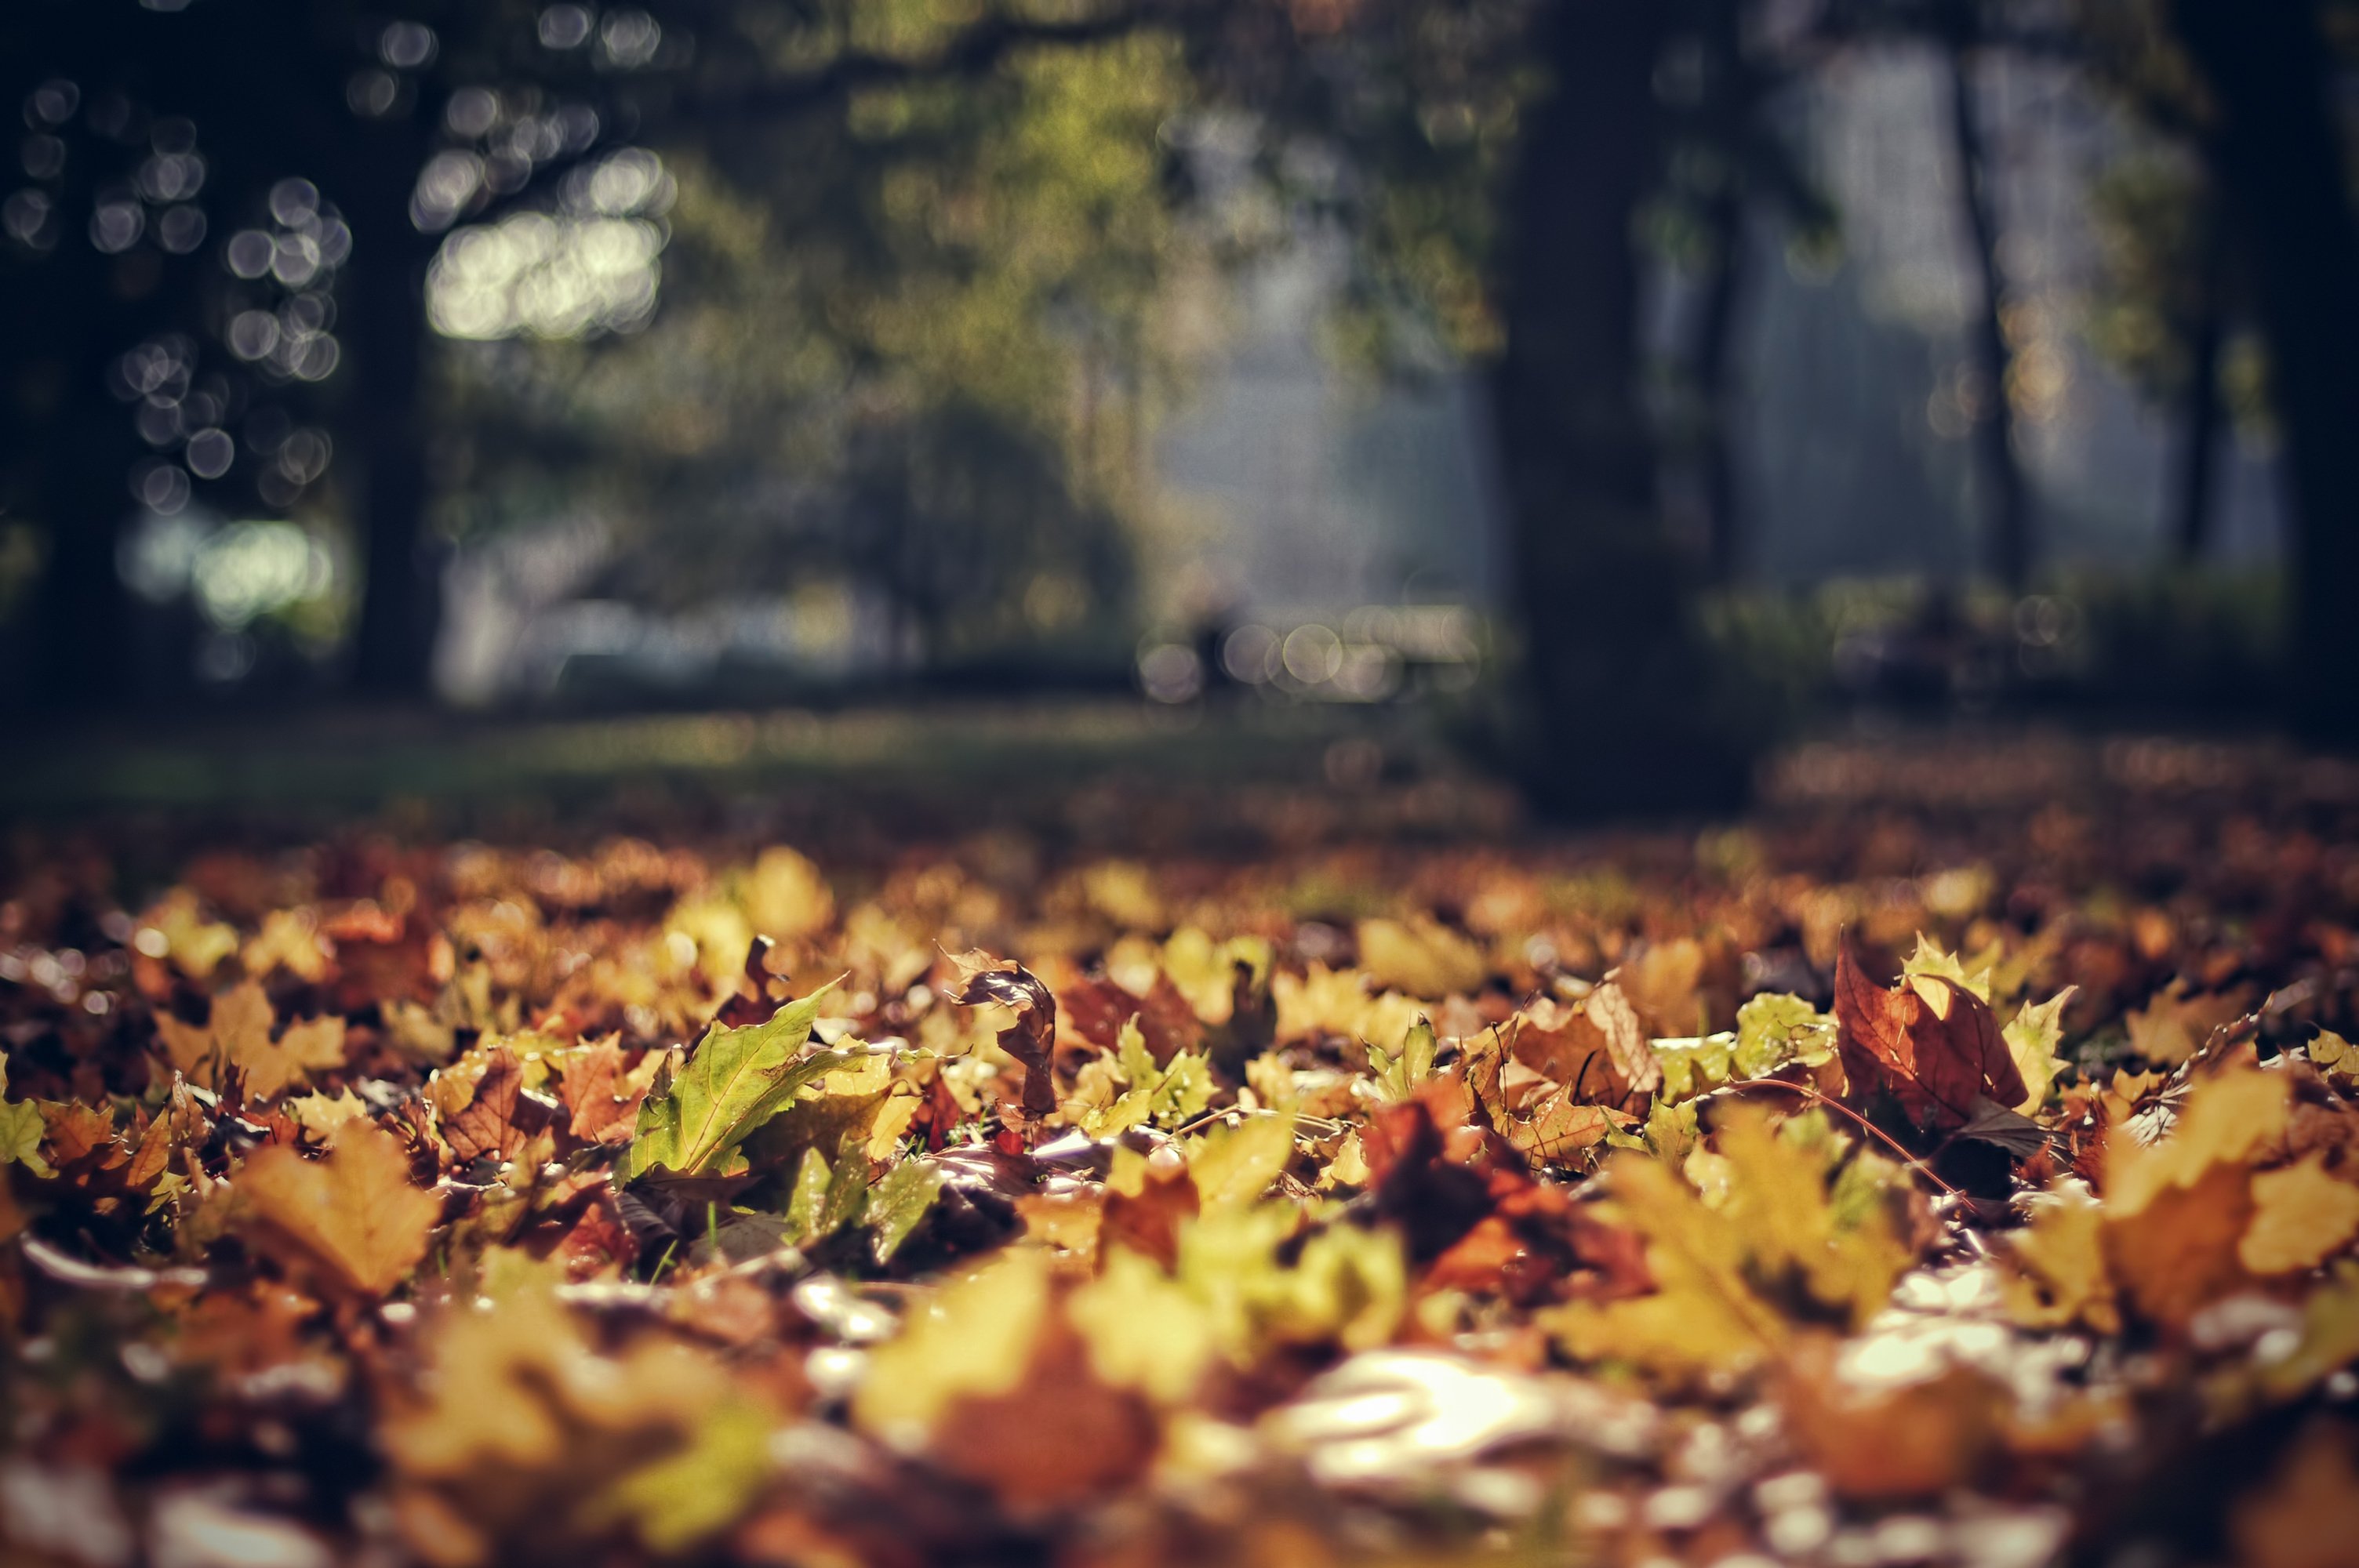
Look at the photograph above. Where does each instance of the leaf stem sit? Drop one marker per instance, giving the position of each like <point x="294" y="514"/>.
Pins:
<point x="1911" y="1160"/>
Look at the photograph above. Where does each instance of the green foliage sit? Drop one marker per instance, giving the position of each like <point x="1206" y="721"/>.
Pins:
<point x="21" y="1128"/>
<point x="1165" y="1095"/>
<point x="1399" y="1073"/>
<point x="734" y="1080"/>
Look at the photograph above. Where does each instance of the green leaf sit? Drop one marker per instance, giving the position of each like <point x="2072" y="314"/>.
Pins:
<point x="828" y="1197"/>
<point x="1774" y="1030"/>
<point x="1167" y="1095"/>
<point x="1400" y="1073"/>
<point x="898" y="1203"/>
<point x="735" y="1080"/>
<point x="21" y="1129"/>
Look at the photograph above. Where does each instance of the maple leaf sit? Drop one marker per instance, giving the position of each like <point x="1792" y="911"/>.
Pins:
<point x="237" y="1034"/>
<point x="693" y="1120"/>
<point x="2056" y="1265"/>
<point x="2031" y="1042"/>
<point x="1031" y="1038"/>
<point x="1168" y="1094"/>
<point x="1598" y="1052"/>
<point x="2301" y="1217"/>
<point x="1928" y="1041"/>
<point x="1098" y="1011"/>
<point x="2173" y="1026"/>
<point x="1422" y="958"/>
<point x="354" y="1215"/>
<point x="493" y="1122"/>
<point x="1720" y="1269"/>
<point x="2178" y="1211"/>
<point x="599" y="1093"/>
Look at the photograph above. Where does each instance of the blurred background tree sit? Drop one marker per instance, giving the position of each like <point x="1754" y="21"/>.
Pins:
<point x="851" y="333"/>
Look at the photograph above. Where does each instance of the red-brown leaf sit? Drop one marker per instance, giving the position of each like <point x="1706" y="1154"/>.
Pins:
<point x="1936" y="1058"/>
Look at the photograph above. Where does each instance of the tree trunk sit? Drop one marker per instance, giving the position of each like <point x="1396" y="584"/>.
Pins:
<point x="2191" y="530"/>
<point x="1614" y="669"/>
<point x="2281" y="164"/>
<point x="385" y="317"/>
<point x="2007" y="507"/>
<point x="1714" y="348"/>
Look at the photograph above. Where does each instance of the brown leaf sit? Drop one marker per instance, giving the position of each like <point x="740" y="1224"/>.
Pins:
<point x="488" y="1125"/>
<point x="1096" y="1011"/>
<point x="1149" y="1222"/>
<point x="598" y="1095"/>
<point x="1931" y="1043"/>
<point x="1032" y="1036"/>
<point x="354" y="1217"/>
<point x="1599" y="1054"/>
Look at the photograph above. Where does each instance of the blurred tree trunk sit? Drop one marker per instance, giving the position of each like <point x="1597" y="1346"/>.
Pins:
<point x="82" y="643"/>
<point x="2276" y="148"/>
<point x="1714" y="350"/>
<point x="385" y="323"/>
<point x="1615" y="670"/>
<point x="2006" y="507"/>
<point x="2191" y="527"/>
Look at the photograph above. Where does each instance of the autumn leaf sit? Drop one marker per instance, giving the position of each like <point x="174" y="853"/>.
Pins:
<point x="1928" y="1041"/>
<point x="354" y="1216"/>
<point x="2031" y="1042"/>
<point x="21" y="1129"/>
<point x="237" y="1034"/>
<point x="1718" y="1270"/>
<point x="1031" y="1039"/>
<point x="2174" y="1025"/>
<point x="693" y="1120"/>
<point x="489" y="1124"/>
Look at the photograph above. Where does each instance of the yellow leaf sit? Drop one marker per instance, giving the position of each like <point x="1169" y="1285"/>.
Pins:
<point x="1236" y="1164"/>
<point x="320" y="1115"/>
<point x="1712" y="1264"/>
<point x="2031" y="1040"/>
<point x="1420" y="957"/>
<point x="1143" y="1328"/>
<point x="2173" y="1026"/>
<point x="353" y="1215"/>
<point x="2056" y="1265"/>
<point x="2226" y="1117"/>
<point x="2301" y="1217"/>
<point x="975" y="1339"/>
<point x="1336" y="1001"/>
<point x="237" y="1034"/>
<point x="785" y="897"/>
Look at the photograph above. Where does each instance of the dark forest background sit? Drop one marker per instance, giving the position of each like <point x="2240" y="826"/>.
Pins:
<point x="1629" y="378"/>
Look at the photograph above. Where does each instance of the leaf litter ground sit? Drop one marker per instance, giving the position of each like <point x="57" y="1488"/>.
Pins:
<point x="1957" y="1163"/>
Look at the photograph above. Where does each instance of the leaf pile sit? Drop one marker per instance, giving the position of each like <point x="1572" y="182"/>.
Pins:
<point x="1920" y="1185"/>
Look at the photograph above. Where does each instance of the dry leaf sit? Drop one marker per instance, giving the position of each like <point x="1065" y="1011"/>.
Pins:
<point x="354" y="1215"/>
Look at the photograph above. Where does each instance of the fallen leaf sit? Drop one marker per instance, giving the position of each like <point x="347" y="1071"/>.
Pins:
<point x="1928" y="1041"/>
<point x="2302" y="1215"/>
<point x="353" y="1215"/>
<point x="1031" y="1038"/>
<point x="237" y="1034"/>
<point x="691" y="1121"/>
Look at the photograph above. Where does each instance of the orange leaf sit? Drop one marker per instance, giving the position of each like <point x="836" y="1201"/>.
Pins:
<point x="354" y="1215"/>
